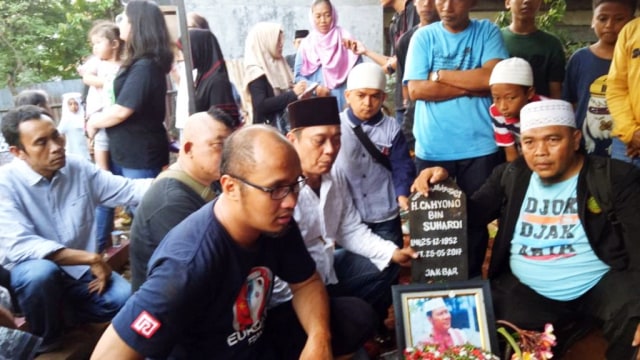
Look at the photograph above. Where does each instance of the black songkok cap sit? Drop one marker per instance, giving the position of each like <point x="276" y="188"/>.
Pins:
<point x="301" y="34"/>
<point x="315" y="111"/>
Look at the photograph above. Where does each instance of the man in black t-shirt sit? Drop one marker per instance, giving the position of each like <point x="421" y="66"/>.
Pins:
<point x="211" y="278"/>
<point x="182" y="189"/>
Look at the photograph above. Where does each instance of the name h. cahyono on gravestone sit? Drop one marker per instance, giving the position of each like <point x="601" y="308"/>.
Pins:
<point x="438" y="227"/>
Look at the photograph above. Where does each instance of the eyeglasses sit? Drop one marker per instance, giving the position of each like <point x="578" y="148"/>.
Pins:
<point x="278" y="192"/>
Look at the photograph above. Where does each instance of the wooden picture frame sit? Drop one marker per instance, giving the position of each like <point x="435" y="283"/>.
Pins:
<point x="419" y="309"/>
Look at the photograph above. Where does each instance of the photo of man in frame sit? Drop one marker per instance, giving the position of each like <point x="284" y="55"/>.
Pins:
<point x="445" y="321"/>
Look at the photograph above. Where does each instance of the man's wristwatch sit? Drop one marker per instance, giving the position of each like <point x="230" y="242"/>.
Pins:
<point x="435" y="76"/>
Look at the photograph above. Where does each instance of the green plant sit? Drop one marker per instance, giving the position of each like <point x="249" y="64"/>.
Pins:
<point x="527" y="344"/>
<point x="550" y="15"/>
<point x="43" y="40"/>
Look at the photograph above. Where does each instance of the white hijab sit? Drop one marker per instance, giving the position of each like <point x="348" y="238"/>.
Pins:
<point x="261" y="57"/>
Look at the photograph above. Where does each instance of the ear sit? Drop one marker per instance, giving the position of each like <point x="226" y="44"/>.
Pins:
<point x="531" y="92"/>
<point x="187" y="146"/>
<point x="577" y="136"/>
<point x="230" y="187"/>
<point x="507" y="4"/>
<point x="17" y="152"/>
<point x="346" y="96"/>
<point x="292" y="137"/>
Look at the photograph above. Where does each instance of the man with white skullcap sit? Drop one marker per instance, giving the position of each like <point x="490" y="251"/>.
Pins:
<point x="567" y="246"/>
<point x="511" y="84"/>
<point x="442" y="333"/>
<point x="377" y="166"/>
<point x="380" y="176"/>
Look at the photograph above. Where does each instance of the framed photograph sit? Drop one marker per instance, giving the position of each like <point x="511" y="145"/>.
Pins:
<point x="446" y="314"/>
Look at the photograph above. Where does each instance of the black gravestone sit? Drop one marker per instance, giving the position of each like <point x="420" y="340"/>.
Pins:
<point x="438" y="227"/>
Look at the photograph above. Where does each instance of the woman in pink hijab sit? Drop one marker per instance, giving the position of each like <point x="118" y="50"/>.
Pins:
<point x="324" y="56"/>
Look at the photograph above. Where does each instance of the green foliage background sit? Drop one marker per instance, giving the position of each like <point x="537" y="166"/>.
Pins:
<point x="42" y="40"/>
<point x="551" y="13"/>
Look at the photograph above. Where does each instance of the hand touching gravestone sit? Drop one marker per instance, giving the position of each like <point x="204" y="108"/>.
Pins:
<point x="438" y="227"/>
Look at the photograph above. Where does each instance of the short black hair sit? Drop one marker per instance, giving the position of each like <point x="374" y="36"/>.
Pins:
<point x="239" y="150"/>
<point x="13" y="118"/>
<point x="32" y="97"/>
<point x="223" y="117"/>
<point x="632" y="4"/>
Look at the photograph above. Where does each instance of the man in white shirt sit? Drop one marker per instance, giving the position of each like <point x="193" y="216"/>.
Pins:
<point x="367" y="265"/>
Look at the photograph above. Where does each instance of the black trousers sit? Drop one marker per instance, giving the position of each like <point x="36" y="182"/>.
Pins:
<point x="352" y="323"/>
<point x="470" y="174"/>
<point x="614" y="303"/>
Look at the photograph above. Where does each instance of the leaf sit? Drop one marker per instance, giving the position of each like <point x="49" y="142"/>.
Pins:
<point x="45" y="40"/>
<point x="512" y="342"/>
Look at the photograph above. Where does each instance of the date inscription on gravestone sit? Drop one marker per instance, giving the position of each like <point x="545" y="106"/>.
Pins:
<point x="438" y="227"/>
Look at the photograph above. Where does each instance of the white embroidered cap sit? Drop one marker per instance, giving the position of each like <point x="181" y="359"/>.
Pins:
<point x="433" y="304"/>
<point x="366" y="76"/>
<point x="514" y="71"/>
<point x="547" y="113"/>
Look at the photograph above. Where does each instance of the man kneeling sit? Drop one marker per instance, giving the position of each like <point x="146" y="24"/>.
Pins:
<point x="561" y="253"/>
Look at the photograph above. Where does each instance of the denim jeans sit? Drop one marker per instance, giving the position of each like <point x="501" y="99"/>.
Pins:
<point x="134" y="174"/>
<point x="50" y="298"/>
<point x="613" y="302"/>
<point x="400" y="116"/>
<point x="619" y="151"/>
<point x="105" y="215"/>
<point x="350" y="318"/>
<point x="104" y="226"/>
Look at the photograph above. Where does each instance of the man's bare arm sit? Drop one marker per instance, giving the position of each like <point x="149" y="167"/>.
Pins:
<point x="453" y="83"/>
<point x="99" y="268"/>
<point x="111" y="346"/>
<point x="433" y="91"/>
<point x="311" y="304"/>
<point x="474" y="80"/>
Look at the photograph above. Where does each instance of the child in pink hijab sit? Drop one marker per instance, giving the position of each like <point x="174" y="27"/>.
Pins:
<point x="324" y="56"/>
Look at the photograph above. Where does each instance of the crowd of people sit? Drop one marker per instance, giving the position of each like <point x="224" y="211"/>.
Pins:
<point x="282" y="239"/>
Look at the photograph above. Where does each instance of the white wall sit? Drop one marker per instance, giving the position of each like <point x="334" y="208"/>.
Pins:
<point x="230" y="20"/>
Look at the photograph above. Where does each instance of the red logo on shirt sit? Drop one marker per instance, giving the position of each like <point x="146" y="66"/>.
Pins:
<point x="145" y="325"/>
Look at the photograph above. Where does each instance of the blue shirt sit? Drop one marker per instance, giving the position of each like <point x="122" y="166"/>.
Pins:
<point x="458" y="128"/>
<point x="374" y="188"/>
<point x="550" y="251"/>
<point x="39" y="217"/>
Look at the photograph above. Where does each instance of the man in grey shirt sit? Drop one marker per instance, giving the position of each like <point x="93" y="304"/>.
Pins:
<point x="47" y="203"/>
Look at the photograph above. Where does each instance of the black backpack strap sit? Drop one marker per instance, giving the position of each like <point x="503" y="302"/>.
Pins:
<point x="205" y="192"/>
<point x="371" y="148"/>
